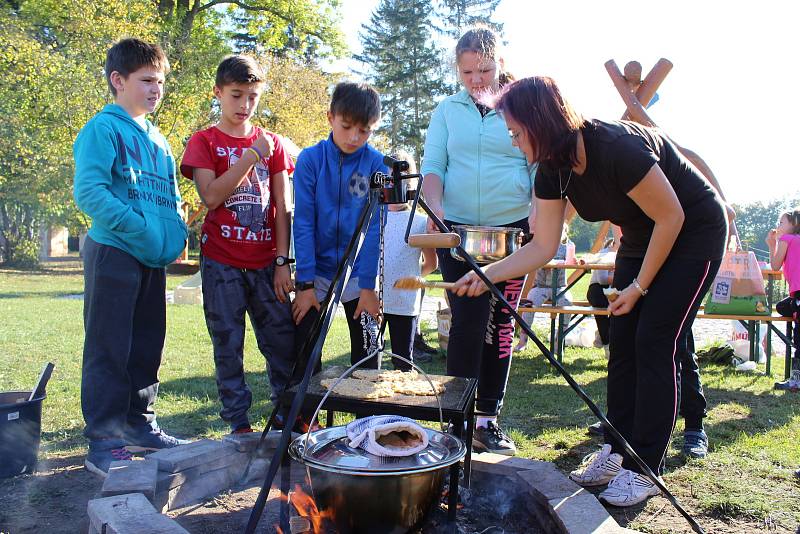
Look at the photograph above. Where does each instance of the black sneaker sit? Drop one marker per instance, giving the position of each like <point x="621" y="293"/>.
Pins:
<point x="104" y="451"/>
<point x="422" y="346"/>
<point x="147" y="439"/>
<point x="491" y="438"/>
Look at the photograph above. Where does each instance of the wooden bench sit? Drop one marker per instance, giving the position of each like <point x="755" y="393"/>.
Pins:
<point x="752" y="322"/>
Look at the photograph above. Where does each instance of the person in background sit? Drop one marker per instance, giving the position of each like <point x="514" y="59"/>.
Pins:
<point x="241" y="173"/>
<point x="401" y="308"/>
<point x="602" y="279"/>
<point x="125" y="181"/>
<point x="674" y="229"/>
<point x="474" y="176"/>
<point x="784" y="253"/>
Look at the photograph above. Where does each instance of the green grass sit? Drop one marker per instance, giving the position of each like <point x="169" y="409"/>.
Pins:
<point x="746" y="481"/>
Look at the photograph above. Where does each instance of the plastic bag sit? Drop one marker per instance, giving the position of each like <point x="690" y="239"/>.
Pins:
<point x="582" y="335"/>
<point x="738" y="288"/>
<point x="740" y="342"/>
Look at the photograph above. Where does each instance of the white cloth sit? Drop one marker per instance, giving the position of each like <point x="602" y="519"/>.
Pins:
<point x="401" y="261"/>
<point x="602" y="276"/>
<point x="366" y="433"/>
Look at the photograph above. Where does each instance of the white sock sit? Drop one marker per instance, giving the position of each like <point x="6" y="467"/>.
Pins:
<point x="483" y="421"/>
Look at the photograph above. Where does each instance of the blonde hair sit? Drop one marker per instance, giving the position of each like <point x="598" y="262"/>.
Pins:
<point x="483" y="41"/>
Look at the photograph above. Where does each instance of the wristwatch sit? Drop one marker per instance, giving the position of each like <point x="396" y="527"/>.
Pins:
<point x="302" y="286"/>
<point x="280" y="261"/>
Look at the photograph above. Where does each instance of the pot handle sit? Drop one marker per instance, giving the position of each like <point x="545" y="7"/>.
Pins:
<point x="352" y="368"/>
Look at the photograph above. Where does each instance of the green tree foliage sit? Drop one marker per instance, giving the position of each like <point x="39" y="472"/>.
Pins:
<point x="756" y="219"/>
<point x="583" y="233"/>
<point x="405" y="67"/>
<point x="52" y="54"/>
<point x="458" y="15"/>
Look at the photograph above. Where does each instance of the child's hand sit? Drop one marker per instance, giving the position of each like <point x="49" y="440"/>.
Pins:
<point x="282" y="282"/>
<point x="304" y="301"/>
<point x="368" y="302"/>
<point x="264" y="144"/>
<point x="772" y="237"/>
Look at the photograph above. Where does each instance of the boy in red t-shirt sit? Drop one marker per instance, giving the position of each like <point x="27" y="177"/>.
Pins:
<point x="242" y="175"/>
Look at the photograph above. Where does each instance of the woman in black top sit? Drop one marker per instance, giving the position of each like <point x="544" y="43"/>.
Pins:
<point x="673" y="237"/>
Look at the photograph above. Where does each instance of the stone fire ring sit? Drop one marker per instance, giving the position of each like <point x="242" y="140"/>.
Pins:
<point x="136" y="493"/>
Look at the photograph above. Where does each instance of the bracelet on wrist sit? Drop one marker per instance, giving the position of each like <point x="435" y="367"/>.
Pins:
<point x="257" y="152"/>
<point x="639" y="287"/>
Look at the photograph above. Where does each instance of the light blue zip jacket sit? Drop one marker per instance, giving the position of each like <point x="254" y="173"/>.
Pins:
<point x="125" y="181"/>
<point x="486" y="180"/>
<point x="330" y="190"/>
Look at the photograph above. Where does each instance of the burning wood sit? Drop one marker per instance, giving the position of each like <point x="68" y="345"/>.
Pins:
<point x="304" y="516"/>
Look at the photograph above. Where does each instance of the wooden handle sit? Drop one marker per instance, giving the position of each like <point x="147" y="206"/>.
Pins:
<point x="635" y="108"/>
<point x="434" y="240"/>
<point x="441" y="285"/>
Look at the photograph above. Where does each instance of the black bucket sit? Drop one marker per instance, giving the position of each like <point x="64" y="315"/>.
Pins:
<point x="20" y="431"/>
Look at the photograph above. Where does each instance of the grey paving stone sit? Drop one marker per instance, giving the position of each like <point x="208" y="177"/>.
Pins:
<point x="134" y="476"/>
<point x="185" y="456"/>
<point x="248" y="442"/>
<point x="167" y="480"/>
<point x="547" y="482"/>
<point x="583" y="514"/>
<point x="198" y="488"/>
<point x="131" y="513"/>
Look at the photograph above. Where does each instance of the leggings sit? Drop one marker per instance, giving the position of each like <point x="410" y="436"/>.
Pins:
<point x="481" y="333"/>
<point x="645" y="347"/>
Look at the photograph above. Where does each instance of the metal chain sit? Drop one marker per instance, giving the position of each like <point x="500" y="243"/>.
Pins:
<point x="381" y="250"/>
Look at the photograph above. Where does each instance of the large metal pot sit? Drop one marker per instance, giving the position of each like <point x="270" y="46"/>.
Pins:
<point x="487" y="244"/>
<point x="371" y="494"/>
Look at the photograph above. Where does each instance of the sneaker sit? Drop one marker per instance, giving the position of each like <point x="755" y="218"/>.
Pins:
<point x="422" y="357"/>
<point x="791" y="384"/>
<point x="104" y="451"/>
<point x="598" y="468"/>
<point x="797" y="474"/>
<point x="244" y="429"/>
<point x="422" y="346"/>
<point x="147" y="439"/>
<point x="301" y="425"/>
<point x="491" y="438"/>
<point x="595" y="429"/>
<point x="628" y="488"/>
<point x="695" y="444"/>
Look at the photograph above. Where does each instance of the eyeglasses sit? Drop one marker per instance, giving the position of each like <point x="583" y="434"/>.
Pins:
<point x="513" y="136"/>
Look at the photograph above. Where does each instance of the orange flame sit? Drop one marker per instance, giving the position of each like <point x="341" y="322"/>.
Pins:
<point x="306" y="508"/>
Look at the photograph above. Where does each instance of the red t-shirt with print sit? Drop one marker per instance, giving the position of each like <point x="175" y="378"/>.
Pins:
<point x="241" y="231"/>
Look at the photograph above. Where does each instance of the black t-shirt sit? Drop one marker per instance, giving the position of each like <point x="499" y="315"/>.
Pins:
<point x="618" y="156"/>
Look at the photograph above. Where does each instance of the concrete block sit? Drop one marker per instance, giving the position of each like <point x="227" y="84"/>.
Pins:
<point x="131" y="513"/>
<point x="582" y="513"/>
<point x="166" y="480"/>
<point x="136" y="476"/>
<point x="248" y="442"/>
<point x="497" y="464"/>
<point x="547" y="483"/>
<point x="197" y="489"/>
<point x="190" y="455"/>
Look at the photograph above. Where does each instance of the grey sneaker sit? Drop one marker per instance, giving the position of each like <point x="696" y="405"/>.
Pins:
<point x="102" y="452"/>
<point x="147" y="439"/>
<point x="491" y="438"/>
<point x="628" y="488"/>
<point x="791" y="384"/>
<point x="598" y="468"/>
<point x="595" y="429"/>
<point x="695" y="444"/>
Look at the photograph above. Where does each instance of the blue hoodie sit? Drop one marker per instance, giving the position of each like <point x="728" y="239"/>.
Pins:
<point x="330" y="190"/>
<point x="125" y="181"/>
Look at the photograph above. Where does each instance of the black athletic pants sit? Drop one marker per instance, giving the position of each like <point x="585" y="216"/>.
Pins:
<point x="481" y="333"/>
<point x="402" y="329"/>
<point x="643" y="385"/>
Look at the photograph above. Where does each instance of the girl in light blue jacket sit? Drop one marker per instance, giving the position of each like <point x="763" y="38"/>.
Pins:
<point x="474" y="176"/>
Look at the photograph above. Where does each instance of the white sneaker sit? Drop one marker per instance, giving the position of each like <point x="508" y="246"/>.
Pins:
<point x="628" y="488"/>
<point x="598" y="468"/>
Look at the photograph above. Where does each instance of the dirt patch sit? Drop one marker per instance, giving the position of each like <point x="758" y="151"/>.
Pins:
<point x="52" y="500"/>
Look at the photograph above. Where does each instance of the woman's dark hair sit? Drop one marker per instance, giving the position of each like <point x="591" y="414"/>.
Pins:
<point x="483" y="41"/>
<point x="794" y="219"/>
<point x="130" y="55"/>
<point x="358" y="102"/>
<point x="550" y="122"/>
<point x="239" y="68"/>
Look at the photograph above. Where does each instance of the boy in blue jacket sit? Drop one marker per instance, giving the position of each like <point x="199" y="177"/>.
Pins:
<point x="125" y="181"/>
<point x="331" y="182"/>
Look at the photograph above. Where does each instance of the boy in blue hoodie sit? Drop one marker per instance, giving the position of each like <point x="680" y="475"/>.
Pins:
<point x="331" y="183"/>
<point x="125" y="181"/>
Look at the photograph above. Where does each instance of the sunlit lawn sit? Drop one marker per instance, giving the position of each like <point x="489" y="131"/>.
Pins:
<point x="754" y="431"/>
